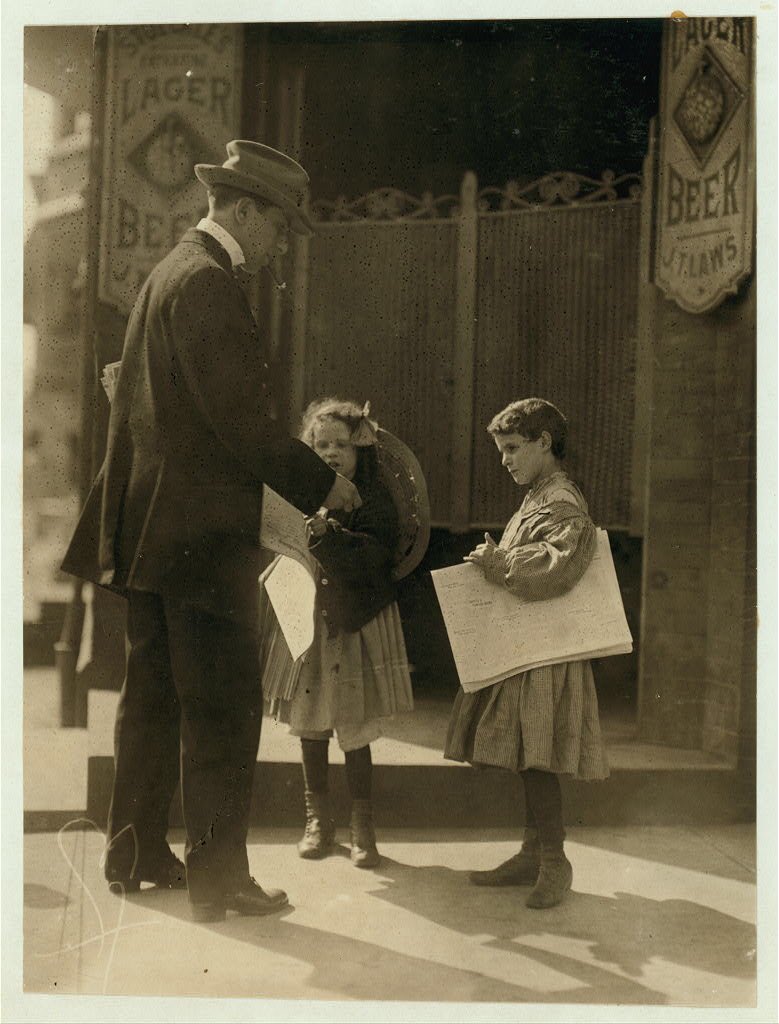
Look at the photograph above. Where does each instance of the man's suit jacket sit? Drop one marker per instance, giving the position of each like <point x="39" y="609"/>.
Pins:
<point x="176" y="506"/>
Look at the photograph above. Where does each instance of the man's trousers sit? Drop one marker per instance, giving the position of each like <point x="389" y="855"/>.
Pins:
<point x="190" y="707"/>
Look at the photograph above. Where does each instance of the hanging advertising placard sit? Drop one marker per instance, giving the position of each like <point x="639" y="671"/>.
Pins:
<point x="173" y="99"/>
<point x="706" y="173"/>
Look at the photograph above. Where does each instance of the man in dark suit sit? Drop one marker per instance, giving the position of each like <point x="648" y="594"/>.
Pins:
<point x="172" y="522"/>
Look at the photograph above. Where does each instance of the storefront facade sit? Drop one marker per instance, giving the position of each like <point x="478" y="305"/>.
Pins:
<point x="453" y="316"/>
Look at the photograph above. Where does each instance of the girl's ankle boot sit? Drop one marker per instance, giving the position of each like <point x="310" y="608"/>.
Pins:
<point x="555" y="877"/>
<point x="319" y="836"/>
<point x="363" y="837"/>
<point x="521" y="869"/>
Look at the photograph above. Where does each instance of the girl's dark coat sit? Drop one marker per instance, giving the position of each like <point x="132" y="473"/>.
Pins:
<point x="356" y="555"/>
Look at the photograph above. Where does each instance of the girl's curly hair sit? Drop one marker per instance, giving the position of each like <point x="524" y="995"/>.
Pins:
<point x="341" y="410"/>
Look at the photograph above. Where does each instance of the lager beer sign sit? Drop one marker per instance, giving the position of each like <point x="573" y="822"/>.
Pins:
<point x="173" y="99"/>
<point x="705" y="196"/>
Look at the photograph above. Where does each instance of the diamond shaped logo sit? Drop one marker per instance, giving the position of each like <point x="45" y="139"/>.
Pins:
<point x="166" y="156"/>
<point x="706" y="107"/>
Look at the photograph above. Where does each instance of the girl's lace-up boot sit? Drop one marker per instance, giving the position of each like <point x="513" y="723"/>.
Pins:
<point x="319" y="836"/>
<point x="521" y="869"/>
<point x="363" y="836"/>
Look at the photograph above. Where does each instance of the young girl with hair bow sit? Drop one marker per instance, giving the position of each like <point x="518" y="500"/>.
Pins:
<point x="356" y="674"/>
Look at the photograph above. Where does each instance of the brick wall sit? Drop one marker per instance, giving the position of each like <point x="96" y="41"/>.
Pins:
<point x="731" y="606"/>
<point x="747" y="752"/>
<point x="697" y="678"/>
<point x="677" y="524"/>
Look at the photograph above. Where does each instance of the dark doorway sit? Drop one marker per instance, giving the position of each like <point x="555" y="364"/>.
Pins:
<point x="413" y="104"/>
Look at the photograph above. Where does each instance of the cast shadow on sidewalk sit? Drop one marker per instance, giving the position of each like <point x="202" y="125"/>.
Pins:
<point x="600" y="946"/>
<point x="343" y="967"/>
<point x="727" y="853"/>
<point x="625" y="931"/>
<point x="622" y="934"/>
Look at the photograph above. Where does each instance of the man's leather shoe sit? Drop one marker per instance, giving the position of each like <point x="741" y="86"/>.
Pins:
<point x="167" y="874"/>
<point x="251" y="900"/>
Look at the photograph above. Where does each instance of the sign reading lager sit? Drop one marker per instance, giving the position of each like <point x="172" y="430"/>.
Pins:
<point x="706" y="181"/>
<point x="173" y="99"/>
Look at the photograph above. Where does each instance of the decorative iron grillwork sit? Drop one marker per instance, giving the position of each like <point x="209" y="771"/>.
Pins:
<point x="561" y="188"/>
<point x="385" y="204"/>
<point x="455" y="311"/>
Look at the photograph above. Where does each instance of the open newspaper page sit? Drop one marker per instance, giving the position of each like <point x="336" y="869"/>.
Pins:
<point x="495" y="634"/>
<point x="283" y="529"/>
<point x="291" y="593"/>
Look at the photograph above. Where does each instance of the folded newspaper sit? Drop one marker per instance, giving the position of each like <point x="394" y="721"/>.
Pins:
<point x="494" y="634"/>
<point x="109" y="379"/>
<point x="287" y="606"/>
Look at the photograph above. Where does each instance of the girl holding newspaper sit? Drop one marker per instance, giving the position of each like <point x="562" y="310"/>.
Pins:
<point x="541" y="723"/>
<point x="356" y="673"/>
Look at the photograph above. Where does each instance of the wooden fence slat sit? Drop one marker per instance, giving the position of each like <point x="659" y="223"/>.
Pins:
<point x="645" y="332"/>
<point x="464" y="348"/>
<point x="441" y="320"/>
<point x="297" y="356"/>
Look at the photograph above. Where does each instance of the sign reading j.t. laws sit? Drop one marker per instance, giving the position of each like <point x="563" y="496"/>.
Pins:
<point x="706" y="181"/>
<point x="172" y="100"/>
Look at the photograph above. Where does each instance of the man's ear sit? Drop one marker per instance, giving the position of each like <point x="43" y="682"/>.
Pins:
<point x="546" y="440"/>
<point x="243" y="208"/>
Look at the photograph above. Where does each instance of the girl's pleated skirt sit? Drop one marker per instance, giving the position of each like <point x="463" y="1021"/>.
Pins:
<point x="546" y="718"/>
<point x="346" y="680"/>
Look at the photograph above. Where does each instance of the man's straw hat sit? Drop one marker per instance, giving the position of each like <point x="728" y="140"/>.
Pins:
<point x="264" y="172"/>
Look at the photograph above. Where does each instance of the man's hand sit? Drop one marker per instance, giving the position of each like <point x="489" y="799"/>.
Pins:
<point x="343" y="494"/>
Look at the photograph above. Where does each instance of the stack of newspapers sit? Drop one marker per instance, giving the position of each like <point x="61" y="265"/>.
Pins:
<point x="288" y="602"/>
<point x="494" y="634"/>
<point x="280" y="671"/>
<point x="109" y="378"/>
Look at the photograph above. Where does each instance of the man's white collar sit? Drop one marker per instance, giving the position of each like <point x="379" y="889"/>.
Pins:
<point x="225" y="239"/>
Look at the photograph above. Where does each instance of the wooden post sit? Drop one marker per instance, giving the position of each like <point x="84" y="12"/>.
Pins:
<point x="297" y="349"/>
<point x="66" y="649"/>
<point x="254" y="118"/>
<point x="293" y="97"/>
<point x="646" y="327"/>
<point x="298" y="90"/>
<point x="254" y="98"/>
<point x="645" y="331"/>
<point x="463" y="356"/>
<point x="284" y="139"/>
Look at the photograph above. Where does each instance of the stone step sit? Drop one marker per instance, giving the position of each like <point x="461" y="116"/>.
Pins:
<point x="455" y="796"/>
<point x="413" y="784"/>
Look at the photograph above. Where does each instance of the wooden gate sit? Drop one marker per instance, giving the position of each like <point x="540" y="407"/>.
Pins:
<point x="442" y="310"/>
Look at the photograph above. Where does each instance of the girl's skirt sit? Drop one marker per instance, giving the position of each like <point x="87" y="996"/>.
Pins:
<point x="349" y="681"/>
<point x="545" y="718"/>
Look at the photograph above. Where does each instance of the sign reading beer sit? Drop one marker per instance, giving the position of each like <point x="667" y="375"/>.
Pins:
<point x="173" y="99"/>
<point x="706" y="180"/>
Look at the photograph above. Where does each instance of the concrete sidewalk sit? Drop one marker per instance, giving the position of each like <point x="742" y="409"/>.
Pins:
<point x="657" y="916"/>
